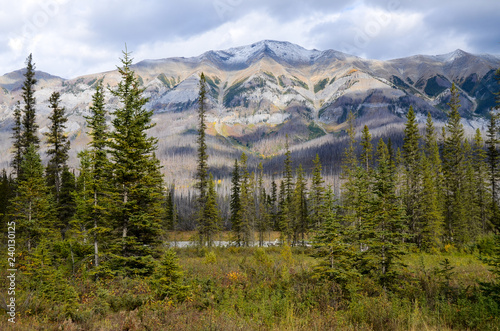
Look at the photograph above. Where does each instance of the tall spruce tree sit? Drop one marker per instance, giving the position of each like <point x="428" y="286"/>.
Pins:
<point x="482" y="193"/>
<point x="387" y="219"/>
<point x="493" y="154"/>
<point x="17" y="137"/>
<point x="136" y="176"/>
<point x="235" y="205"/>
<point x="262" y="215"/>
<point x="170" y="209"/>
<point x="412" y="173"/>
<point x="247" y="202"/>
<point x="30" y="127"/>
<point x="58" y="145"/>
<point x="96" y="188"/>
<point x="202" y="167"/>
<point x="32" y="208"/>
<point x="367" y="148"/>
<point x="356" y="192"/>
<point x="316" y="196"/>
<point x="210" y="224"/>
<point x="300" y="219"/>
<point x="332" y="246"/>
<point x="454" y="172"/>
<point x="431" y="220"/>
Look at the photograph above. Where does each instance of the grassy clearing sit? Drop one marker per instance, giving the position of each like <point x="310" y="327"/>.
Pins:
<point x="274" y="289"/>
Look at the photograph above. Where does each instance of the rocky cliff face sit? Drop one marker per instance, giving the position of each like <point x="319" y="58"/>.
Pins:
<point x="260" y="92"/>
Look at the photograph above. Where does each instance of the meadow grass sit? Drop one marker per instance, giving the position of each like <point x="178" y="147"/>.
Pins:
<point x="274" y="288"/>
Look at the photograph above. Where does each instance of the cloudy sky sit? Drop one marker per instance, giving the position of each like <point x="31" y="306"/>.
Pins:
<point x="69" y="38"/>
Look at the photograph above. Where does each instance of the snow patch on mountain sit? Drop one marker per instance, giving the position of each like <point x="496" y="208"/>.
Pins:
<point x="284" y="50"/>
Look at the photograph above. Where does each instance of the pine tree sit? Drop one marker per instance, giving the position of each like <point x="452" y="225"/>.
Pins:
<point x="482" y="196"/>
<point x="30" y="127"/>
<point x="493" y="154"/>
<point x="316" y="196"/>
<point x="202" y="169"/>
<point x="32" y="208"/>
<point x="262" y="216"/>
<point x="95" y="176"/>
<point x="472" y="211"/>
<point x="236" y="213"/>
<point x="283" y="215"/>
<point x="286" y="228"/>
<point x="431" y="223"/>
<point x="209" y="225"/>
<point x="17" y="137"/>
<point x="356" y="192"/>
<point x="136" y="176"/>
<point x="273" y="209"/>
<point x="300" y="219"/>
<point x="58" y="145"/>
<point x="6" y="191"/>
<point x="171" y="211"/>
<point x="385" y="243"/>
<point x="412" y="173"/>
<point x="338" y="258"/>
<point x="367" y="148"/>
<point x="288" y="172"/>
<point x="454" y="172"/>
<point x="67" y="205"/>
<point x="247" y="202"/>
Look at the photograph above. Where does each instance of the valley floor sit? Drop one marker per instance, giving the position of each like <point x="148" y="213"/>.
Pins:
<point x="273" y="288"/>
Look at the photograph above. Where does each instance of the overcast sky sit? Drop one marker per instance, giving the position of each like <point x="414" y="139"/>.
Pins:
<point x="69" y="38"/>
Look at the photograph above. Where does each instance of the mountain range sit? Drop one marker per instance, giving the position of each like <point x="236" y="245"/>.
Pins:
<point x="261" y="92"/>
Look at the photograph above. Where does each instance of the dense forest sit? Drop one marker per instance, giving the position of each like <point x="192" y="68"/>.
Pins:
<point x="409" y="240"/>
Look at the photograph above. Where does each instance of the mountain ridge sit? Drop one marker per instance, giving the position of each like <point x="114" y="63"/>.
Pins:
<point x="259" y="93"/>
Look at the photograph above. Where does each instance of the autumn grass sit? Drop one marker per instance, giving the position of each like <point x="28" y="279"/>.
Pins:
<point x="274" y="288"/>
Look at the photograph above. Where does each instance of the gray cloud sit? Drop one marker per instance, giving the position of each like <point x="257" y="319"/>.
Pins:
<point x="70" y="38"/>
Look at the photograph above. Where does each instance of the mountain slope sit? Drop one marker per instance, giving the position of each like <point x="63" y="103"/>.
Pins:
<point x="261" y="92"/>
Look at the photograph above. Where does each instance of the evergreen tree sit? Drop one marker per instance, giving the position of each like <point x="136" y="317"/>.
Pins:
<point x="316" y="196"/>
<point x="58" y="145"/>
<point x="283" y="215"/>
<point x="67" y="204"/>
<point x="482" y="194"/>
<point x="288" y="172"/>
<point x="171" y="212"/>
<point x="17" y="137"/>
<point x="331" y="245"/>
<point x="454" y="172"/>
<point x="367" y="148"/>
<point x="356" y="192"/>
<point x="247" y="202"/>
<point x="385" y="242"/>
<point x="471" y="212"/>
<point x="30" y="127"/>
<point x="209" y="225"/>
<point x="236" y="212"/>
<point x="262" y="217"/>
<point x="431" y="221"/>
<point x="273" y="210"/>
<point x="300" y="219"/>
<point x="95" y="181"/>
<point x="412" y="173"/>
<point x="6" y="191"/>
<point x="493" y="154"/>
<point x="136" y="176"/>
<point x="202" y="169"/>
<point x="32" y="208"/>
